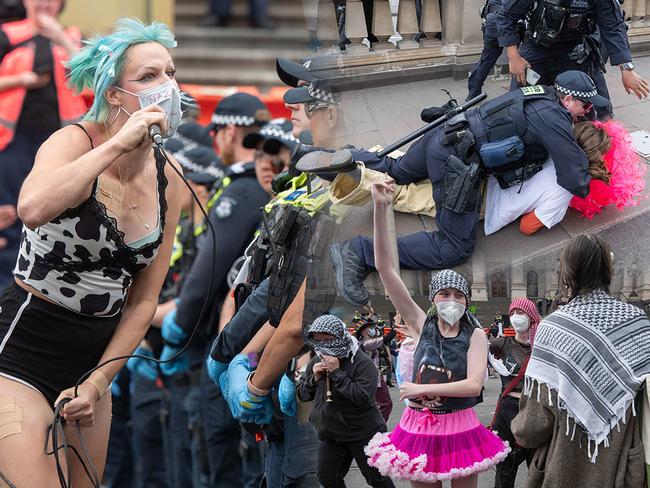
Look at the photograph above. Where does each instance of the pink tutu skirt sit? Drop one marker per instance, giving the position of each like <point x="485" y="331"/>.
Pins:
<point x="431" y="447"/>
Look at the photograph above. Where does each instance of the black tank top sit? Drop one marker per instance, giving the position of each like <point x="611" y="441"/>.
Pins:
<point x="439" y="359"/>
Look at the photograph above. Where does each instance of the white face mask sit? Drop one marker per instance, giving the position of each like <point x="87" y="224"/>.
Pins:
<point x="168" y="97"/>
<point x="450" y="312"/>
<point x="520" y="322"/>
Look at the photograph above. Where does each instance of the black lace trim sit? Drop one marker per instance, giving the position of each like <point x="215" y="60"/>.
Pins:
<point x="125" y="255"/>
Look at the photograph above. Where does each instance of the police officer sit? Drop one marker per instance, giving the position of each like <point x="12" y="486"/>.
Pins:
<point x="562" y="35"/>
<point x="285" y="436"/>
<point x="491" y="49"/>
<point x="510" y="136"/>
<point x="235" y="216"/>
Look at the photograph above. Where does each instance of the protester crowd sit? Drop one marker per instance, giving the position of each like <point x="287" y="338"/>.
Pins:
<point x="227" y="283"/>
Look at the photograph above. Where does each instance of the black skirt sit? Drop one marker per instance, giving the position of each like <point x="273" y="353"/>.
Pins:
<point x="48" y="346"/>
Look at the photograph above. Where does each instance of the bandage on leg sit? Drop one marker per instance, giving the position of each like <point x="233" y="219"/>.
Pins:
<point x="11" y="418"/>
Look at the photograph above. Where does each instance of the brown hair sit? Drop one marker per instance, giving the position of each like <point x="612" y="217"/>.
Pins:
<point x="585" y="265"/>
<point x="595" y="142"/>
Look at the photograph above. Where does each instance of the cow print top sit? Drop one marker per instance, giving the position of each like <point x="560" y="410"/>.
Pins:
<point x="80" y="259"/>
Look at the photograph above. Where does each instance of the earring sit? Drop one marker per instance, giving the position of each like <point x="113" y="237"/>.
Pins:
<point x="114" y="119"/>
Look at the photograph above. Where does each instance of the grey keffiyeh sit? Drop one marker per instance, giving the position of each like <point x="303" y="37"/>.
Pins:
<point x="341" y="346"/>
<point x="594" y="353"/>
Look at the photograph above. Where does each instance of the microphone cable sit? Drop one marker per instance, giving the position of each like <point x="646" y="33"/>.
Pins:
<point x="55" y="432"/>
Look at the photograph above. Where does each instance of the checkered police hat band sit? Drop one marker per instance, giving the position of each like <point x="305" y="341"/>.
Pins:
<point x="448" y="278"/>
<point x="240" y="120"/>
<point x="322" y="95"/>
<point x="575" y="93"/>
<point x="277" y="133"/>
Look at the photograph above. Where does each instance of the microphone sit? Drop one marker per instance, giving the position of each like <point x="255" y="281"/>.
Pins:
<point x="156" y="134"/>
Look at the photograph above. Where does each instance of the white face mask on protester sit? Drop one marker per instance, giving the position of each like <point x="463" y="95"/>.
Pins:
<point x="450" y="311"/>
<point x="168" y="97"/>
<point x="520" y="322"/>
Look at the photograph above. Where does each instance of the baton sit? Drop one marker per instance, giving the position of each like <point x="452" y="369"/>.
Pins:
<point x="431" y="125"/>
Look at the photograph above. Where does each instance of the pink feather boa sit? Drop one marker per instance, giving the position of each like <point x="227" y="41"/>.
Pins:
<point x="626" y="183"/>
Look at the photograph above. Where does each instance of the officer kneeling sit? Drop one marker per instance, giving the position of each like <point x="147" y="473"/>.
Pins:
<point x="509" y="137"/>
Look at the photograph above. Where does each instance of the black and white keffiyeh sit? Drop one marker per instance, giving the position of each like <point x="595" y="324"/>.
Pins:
<point x="595" y="353"/>
<point x="343" y="343"/>
<point x="448" y="278"/>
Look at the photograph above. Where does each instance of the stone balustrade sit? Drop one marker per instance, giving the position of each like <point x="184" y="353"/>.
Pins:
<point x="424" y="35"/>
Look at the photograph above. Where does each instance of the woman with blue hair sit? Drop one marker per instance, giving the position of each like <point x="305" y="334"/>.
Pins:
<point x="99" y="213"/>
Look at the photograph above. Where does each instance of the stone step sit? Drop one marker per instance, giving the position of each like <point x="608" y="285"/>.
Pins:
<point x="242" y="37"/>
<point x="286" y="14"/>
<point x="226" y="76"/>
<point x="235" y="58"/>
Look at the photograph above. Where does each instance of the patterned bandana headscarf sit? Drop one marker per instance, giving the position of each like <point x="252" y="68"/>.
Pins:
<point x="531" y="310"/>
<point x="341" y="346"/>
<point x="594" y="354"/>
<point x="448" y="278"/>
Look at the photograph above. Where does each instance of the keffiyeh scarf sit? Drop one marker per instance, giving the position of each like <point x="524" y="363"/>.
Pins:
<point x="594" y="353"/>
<point x="342" y="345"/>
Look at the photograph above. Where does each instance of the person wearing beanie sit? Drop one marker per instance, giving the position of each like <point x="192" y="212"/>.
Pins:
<point x="509" y="357"/>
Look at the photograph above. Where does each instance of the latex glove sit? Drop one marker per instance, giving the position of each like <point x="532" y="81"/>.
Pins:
<point x="215" y="369"/>
<point x="243" y="404"/>
<point x="172" y="333"/>
<point x="143" y="367"/>
<point x="287" y="396"/>
<point x="116" y="391"/>
<point x="179" y="365"/>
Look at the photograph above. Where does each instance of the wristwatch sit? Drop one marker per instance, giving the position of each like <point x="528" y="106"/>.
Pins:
<point x="629" y="66"/>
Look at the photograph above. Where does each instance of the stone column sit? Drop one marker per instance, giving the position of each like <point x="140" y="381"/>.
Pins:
<point x="517" y="281"/>
<point x="471" y="22"/>
<point x="355" y="27"/>
<point x="430" y="23"/>
<point x="382" y="25"/>
<point x="407" y="24"/>
<point x="452" y="18"/>
<point x="552" y="276"/>
<point x="643" y="285"/>
<point x="479" y="281"/>
<point x="328" y="32"/>
<point x="629" y="277"/>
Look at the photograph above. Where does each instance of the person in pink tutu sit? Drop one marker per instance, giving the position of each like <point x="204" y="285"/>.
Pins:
<point x="439" y="436"/>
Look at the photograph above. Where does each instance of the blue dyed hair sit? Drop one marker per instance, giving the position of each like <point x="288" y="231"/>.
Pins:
<point x="99" y="64"/>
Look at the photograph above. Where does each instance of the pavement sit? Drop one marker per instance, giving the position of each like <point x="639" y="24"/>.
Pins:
<point x="484" y="410"/>
<point x="383" y="114"/>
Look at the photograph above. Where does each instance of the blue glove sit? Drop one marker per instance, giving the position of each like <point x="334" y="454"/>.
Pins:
<point x="172" y="333"/>
<point x="215" y="369"/>
<point x="116" y="391"/>
<point x="143" y="367"/>
<point x="243" y="404"/>
<point x="179" y="365"/>
<point x="287" y="396"/>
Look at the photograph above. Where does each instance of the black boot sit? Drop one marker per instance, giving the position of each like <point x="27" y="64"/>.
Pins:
<point x="350" y="272"/>
<point x="322" y="162"/>
<point x="430" y="114"/>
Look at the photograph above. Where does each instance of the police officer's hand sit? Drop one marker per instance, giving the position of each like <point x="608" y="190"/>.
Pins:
<point x="287" y="396"/>
<point x="518" y="66"/>
<point x="633" y="83"/>
<point x="178" y="365"/>
<point x="135" y="130"/>
<point x="215" y="369"/>
<point x="171" y="332"/>
<point x="143" y="367"/>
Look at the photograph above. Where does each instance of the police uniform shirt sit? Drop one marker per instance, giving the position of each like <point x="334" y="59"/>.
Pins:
<point x="540" y="194"/>
<point x="609" y="18"/>
<point x="235" y="217"/>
